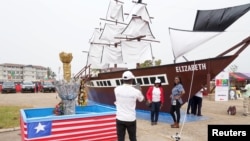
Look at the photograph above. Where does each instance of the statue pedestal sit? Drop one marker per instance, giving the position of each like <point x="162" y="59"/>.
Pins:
<point x="69" y="107"/>
<point x="93" y="122"/>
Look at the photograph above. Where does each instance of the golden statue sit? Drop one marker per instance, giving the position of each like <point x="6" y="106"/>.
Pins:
<point x="66" y="58"/>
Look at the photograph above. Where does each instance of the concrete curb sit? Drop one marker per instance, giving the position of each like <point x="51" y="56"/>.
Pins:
<point x="9" y="129"/>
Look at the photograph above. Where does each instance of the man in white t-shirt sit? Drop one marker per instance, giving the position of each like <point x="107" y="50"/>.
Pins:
<point x="126" y="96"/>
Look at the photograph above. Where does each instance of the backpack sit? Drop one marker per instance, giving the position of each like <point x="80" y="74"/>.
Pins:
<point x="231" y="110"/>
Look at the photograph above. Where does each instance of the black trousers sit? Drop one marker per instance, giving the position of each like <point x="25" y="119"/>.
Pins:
<point x="197" y="105"/>
<point x="190" y="108"/>
<point x="175" y="109"/>
<point x="122" y="126"/>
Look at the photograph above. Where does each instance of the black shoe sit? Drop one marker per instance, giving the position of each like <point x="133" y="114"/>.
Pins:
<point x="245" y="114"/>
<point x="188" y="113"/>
<point x="199" y="115"/>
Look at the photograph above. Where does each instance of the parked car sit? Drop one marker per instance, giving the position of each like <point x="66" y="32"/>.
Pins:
<point x="48" y="87"/>
<point x="8" y="87"/>
<point x="28" y="86"/>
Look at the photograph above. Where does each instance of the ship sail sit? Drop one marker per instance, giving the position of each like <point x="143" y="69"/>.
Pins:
<point x="208" y="24"/>
<point x="101" y="52"/>
<point x="96" y="50"/>
<point x="119" y="41"/>
<point x="111" y="31"/>
<point x="187" y="44"/>
<point x="138" y="27"/>
<point x="134" y="51"/>
<point x="139" y="10"/>
<point x="115" y="11"/>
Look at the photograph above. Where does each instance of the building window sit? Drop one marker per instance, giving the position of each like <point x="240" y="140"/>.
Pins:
<point x="139" y="80"/>
<point x="145" y="80"/>
<point x="152" y="80"/>
<point x="109" y="83"/>
<point x="117" y="82"/>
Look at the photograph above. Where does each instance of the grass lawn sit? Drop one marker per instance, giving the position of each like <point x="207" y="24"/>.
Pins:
<point x="10" y="116"/>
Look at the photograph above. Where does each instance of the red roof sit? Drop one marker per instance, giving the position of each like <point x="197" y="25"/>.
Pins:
<point x="239" y="76"/>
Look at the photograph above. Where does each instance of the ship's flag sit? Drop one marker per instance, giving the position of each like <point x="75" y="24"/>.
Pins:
<point x="219" y="19"/>
<point x="208" y="24"/>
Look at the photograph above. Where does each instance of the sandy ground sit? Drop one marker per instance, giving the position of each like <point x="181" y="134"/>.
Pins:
<point x="214" y="111"/>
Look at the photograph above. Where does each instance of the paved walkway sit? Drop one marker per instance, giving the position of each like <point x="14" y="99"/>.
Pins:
<point x="194" y="130"/>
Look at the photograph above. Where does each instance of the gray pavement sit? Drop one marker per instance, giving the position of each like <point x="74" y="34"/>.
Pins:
<point x="190" y="131"/>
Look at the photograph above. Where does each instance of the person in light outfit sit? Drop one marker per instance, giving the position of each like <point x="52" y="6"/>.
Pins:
<point x="155" y="97"/>
<point x="198" y="100"/>
<point x="126" y="96"/>
<point x="246" y="101"/>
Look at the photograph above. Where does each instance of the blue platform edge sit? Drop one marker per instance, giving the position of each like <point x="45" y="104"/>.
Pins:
<point x="97" y="109"/>
<point x="163" y="116"/>
<point x="46" y="114"/>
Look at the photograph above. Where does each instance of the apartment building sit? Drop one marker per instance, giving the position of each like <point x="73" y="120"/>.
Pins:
<point x="20" y="72"/>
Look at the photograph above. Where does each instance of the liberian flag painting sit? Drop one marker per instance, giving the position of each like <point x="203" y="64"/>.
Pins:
<point x="39" y="129"/>
<point x="93" y="123"/>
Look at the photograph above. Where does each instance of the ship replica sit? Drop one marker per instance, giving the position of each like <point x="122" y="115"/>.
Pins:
<point x="124" y="40"/>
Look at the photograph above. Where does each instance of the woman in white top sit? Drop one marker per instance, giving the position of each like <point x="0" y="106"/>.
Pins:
<point x="155" y="97"/>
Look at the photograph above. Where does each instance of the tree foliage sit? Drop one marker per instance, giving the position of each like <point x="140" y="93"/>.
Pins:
<point x="50" y="73"/>
<point x="158" y="62"/>
<point x="150" y="63"/>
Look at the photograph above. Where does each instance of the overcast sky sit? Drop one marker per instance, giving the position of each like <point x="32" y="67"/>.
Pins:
<point x="36" y="31"/>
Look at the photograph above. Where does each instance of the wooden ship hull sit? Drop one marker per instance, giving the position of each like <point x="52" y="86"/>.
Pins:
<point x="101" y="89"/>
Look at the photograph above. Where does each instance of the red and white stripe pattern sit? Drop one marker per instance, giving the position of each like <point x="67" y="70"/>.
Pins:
<point x="96" y="128"/>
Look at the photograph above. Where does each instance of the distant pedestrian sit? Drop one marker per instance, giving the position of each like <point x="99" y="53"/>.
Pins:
<point x="232" y="94"/>
<point x="198" y="100"/>
<point x="176" y="101"/>
<point x="246" y="100"/>
<point x="155" y="97"/>
<point x="36" y="87"/>
<point x="126" y="96"/>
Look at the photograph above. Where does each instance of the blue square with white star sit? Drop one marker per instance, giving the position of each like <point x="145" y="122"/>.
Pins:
<point x="39" y="129"/>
